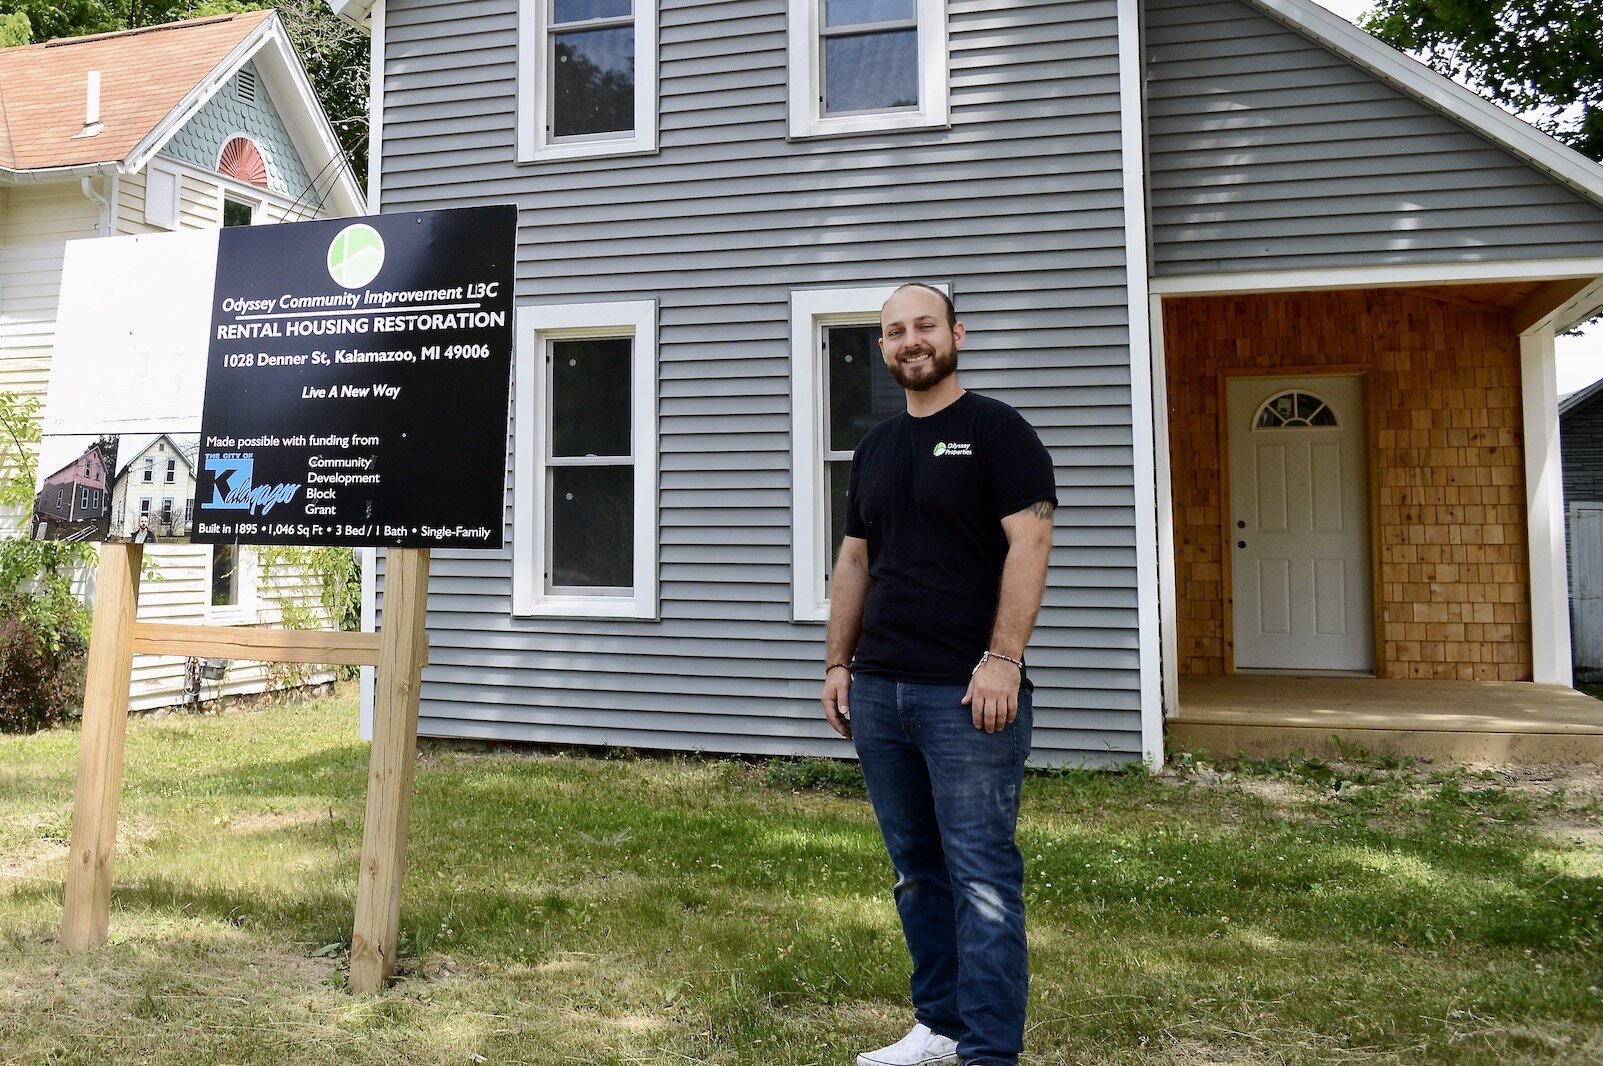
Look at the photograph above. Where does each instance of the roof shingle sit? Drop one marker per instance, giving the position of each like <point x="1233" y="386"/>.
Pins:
<point x="144" y="74"/>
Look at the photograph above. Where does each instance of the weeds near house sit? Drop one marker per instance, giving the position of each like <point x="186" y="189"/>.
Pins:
<point x="563" y="909"/>
<point x="818" y="775"/>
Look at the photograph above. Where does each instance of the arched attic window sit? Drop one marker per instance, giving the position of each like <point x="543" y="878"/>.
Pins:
<point x="241" y="160"/>
<point x="1295" y="409"/>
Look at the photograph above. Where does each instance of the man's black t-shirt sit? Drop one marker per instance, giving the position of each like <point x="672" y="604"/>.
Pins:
<point x="928" y="494"/>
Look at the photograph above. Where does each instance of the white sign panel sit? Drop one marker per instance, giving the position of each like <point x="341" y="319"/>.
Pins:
<point x="131" y="335"/>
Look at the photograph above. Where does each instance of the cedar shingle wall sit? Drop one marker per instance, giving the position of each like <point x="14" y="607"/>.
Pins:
<point x="1442" y="384"/>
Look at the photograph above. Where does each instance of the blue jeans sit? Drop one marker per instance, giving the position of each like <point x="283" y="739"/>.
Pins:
<point x="947" y="799"/>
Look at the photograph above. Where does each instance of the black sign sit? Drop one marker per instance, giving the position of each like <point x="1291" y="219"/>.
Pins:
<point x="357" y="382"/>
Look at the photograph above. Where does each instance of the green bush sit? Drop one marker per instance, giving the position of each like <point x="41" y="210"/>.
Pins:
<point x="44" y="630"/>
<point x="42" y="659"/>
<point x="815" y="775"/>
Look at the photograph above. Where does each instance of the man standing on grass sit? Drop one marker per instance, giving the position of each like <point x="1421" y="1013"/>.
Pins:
<point x="939" y="579"/>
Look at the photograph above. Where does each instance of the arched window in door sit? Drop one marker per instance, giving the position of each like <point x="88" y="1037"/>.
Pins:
<point x="1295" y="409"/>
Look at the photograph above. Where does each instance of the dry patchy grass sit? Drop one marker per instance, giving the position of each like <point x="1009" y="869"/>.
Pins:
<point x="565" y="909"/>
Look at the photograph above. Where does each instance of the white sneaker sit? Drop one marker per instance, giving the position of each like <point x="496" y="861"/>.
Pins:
<point x="919" y="1047"/>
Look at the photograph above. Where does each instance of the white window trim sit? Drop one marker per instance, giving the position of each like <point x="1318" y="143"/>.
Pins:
<point x="811" y="312"/>
<point x="256" y="204"/>
<point x="246" y="611"/>
<point x="536" y="327"/>
<point x="533" y="98"/>
<point x="230" y="138"/>
<point x="806" y="85"/>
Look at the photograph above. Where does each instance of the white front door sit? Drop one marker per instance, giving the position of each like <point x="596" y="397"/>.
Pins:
<point x="1299" y="524"/>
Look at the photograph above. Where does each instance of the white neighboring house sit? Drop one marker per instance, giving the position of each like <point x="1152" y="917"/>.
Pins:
<point x="193" y="125"/>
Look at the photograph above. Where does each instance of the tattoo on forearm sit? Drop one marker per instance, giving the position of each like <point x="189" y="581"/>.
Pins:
<point x="1042" y="509"/>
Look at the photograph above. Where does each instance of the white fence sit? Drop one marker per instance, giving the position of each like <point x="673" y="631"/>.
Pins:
<point x="1586" y="589"/>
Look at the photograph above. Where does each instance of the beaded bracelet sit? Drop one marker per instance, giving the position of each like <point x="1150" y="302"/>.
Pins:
<point x="832" y="666"/>
<point x="994" y="655"/>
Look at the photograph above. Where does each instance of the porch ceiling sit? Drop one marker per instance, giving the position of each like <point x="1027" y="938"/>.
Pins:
<point x="1497" y="297"/>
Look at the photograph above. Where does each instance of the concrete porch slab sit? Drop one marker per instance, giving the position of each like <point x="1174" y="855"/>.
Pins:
<point x="1460" y="721"/>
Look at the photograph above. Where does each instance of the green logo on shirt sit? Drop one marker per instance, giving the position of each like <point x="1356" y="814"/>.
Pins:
<point x="940" y="449"/>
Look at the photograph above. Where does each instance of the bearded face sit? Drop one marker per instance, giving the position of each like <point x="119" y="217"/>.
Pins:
<point x="922" y="365"/>
<point x="919" y="340"/>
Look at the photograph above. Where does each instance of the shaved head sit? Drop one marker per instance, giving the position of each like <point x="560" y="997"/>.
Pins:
<point x="951" y="309"/>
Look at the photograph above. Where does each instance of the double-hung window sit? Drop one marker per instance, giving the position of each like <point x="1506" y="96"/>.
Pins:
<point x="862" y="66"/>
<point x="840" y="390"/>
<point x="587" y="78"/>
<point x="585" y="502"/>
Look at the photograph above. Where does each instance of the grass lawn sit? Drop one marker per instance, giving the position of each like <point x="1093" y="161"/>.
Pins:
<point x="562" y="909"/>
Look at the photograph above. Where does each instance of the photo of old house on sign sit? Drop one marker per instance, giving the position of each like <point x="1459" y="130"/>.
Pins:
<point x="74" y="500"/>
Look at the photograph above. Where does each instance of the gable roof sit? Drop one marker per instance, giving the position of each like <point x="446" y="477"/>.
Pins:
<point x="144" y="75"/>
<point x="124" y="465"/>
<point x="1580" y="398"/>
<point x="1414" y="78"/>
<point x="1505" y="130"/>
<point x="152" y="80"/>
<point x="75" y="460"/>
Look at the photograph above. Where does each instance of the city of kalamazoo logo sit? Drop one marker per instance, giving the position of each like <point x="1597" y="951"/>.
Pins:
<point x="232" y="488"/>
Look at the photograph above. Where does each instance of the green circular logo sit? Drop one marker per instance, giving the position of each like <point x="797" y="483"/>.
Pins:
<point x="356" y="256"/>
<point x="940" y="449"/>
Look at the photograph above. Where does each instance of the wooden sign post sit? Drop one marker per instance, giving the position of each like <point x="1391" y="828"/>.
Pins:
<point x="399" y="650"/>
<point x="105" y="725"/>
<point x="402" y="653"/>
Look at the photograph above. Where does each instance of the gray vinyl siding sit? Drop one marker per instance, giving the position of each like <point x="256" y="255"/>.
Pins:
<point x="1581" y="442"/>
<point x="1267" y="151"/>
<point x="1018" y="206"/>
<point x="1581" y="446"/>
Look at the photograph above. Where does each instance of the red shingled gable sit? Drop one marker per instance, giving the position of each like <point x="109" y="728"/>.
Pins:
<point x="144" y="74"/>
